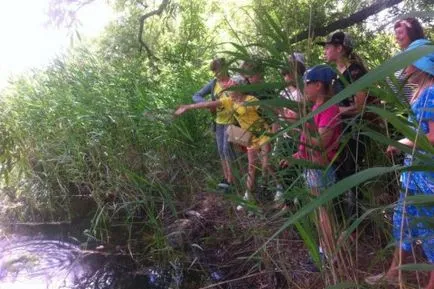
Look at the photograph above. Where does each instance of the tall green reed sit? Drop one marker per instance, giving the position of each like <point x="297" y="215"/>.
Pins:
<point x="87" y="127"/>
<point x="273" y="48"/>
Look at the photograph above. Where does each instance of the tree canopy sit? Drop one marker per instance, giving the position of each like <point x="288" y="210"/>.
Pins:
<point x="152" y="22"/>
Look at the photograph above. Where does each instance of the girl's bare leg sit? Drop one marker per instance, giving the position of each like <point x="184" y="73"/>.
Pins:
<point x="393" y="272"/>
<point x="431" y="281"/>
<point x="268" y="171"/>
<point x="250" y="185"/>
<point x="265" y="161"/>
<point x="327" y="232"/>
<point x="227" y="171"/>
<point x="325" y="228"/>
<point x="251" y="157"/>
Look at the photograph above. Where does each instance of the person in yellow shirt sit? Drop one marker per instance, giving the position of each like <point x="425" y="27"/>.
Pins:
<point x="247" y="116"/>
<point x="249" y="119"/>
<point x="223" y="117"/>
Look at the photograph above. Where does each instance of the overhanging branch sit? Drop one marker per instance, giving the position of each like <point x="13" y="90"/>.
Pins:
<point x="142" y="19"/>
<point x="349" y="21"/>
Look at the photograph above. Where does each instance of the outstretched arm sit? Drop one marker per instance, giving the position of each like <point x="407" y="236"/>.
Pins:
<point x="207" y="104"/>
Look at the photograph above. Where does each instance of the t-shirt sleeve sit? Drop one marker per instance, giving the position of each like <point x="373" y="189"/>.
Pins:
<point x="284" y="94"/>
<point x="240" y="109"/>
<point x="251" y="98"/>
<point x="207" y="89"/>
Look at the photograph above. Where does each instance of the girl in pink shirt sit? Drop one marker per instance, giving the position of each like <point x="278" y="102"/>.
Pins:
<point x="319" y="143"/>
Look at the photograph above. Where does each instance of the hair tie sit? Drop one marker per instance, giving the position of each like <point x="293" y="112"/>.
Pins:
<point x="406" y="23"/>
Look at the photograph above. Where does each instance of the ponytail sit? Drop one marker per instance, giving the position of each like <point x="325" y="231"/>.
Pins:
<point x="354" y="58"/>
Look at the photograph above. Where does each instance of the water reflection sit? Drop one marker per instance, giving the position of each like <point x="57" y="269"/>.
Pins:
<point x="39" y="263"/>
<point x="51" y="264"/>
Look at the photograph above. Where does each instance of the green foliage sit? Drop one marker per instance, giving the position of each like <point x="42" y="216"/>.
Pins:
<point x="85" y="123"/>
<point x="98" y="121"/>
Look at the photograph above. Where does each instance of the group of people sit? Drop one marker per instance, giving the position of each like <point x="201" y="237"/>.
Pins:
<point x="331" y="141"/>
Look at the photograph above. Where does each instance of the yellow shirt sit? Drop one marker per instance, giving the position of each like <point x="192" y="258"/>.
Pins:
<point x="223" y="115"/>
<point x="248" y="118"/>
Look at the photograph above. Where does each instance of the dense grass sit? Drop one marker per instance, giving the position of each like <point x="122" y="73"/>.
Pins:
<point x="84" y="127"/>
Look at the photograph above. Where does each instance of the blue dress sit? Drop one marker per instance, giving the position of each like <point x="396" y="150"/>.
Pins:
<point x="412" y="222"/>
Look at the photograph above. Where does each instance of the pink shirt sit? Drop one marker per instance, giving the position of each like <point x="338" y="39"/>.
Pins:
<point x="328" y="118"/>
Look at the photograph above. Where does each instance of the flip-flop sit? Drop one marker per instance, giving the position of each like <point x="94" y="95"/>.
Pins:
<point x="381" y="279"/>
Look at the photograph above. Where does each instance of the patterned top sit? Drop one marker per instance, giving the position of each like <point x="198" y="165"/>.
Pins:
<point x="247" y="116"/>
<point x="423" y="113"/>
<point x="224" y="115"/>
<point x="404" y="90"/>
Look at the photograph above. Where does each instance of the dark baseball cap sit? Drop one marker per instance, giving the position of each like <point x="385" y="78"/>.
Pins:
<point x="321" y="72"/>
<point x="338" y="38"/>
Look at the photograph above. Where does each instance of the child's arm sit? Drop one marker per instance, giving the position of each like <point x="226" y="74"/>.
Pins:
<point x="207" y="89"/>
<point x="284" y="163"/>
<point x="325" y="135"/>
<point x="206" y="104"/>
<point x="290" y="115"/>
<point x="405" y="141"/>
<point x="326" y="125"/>
<point x="354" y="109"/>
<point x="360" y="100"/>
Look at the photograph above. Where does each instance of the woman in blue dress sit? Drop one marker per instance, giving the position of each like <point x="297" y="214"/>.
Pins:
<point x="411" y="222"/>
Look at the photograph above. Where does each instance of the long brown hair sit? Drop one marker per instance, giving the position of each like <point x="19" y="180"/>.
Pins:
<point x="355" y="58"/>
<point x="412" y="27"/>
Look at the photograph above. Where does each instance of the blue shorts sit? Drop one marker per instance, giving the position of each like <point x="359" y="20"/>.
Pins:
<point x="317" y="178"/>
<point x="416" y="225"/>
<point x="223" y="146"/>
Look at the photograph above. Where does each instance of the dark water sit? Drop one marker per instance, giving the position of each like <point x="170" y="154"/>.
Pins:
<point x="53" y="264"/>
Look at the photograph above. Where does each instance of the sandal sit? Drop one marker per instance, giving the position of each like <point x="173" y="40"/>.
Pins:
<point x="381" y="279"/>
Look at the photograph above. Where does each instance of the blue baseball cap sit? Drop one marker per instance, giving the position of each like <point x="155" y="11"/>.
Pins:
<point x="425" y="63"/>
<point x="321" y="72"/>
